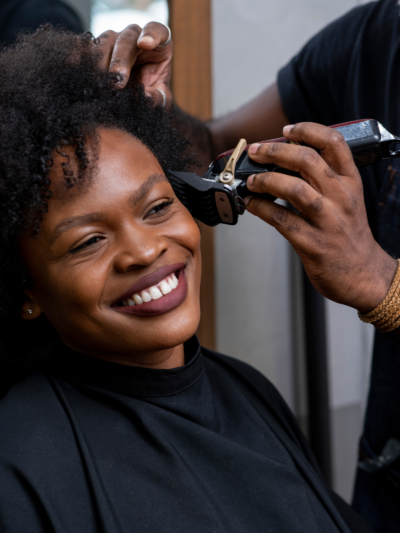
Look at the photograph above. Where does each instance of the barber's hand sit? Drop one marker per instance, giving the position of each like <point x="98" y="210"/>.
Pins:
<point x="331" y="232"/>
<point x="143" y="54"/>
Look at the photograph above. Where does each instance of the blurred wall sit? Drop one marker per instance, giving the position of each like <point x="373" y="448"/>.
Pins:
<point x="251" y="41"/>
<point x="82" y="8"/>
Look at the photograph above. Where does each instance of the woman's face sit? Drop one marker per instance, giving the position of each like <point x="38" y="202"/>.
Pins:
<point x="105" y="248"/>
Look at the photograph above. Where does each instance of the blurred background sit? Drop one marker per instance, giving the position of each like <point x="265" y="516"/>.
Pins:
<point x="115" y="13"/>
<point x="227" y="51"/>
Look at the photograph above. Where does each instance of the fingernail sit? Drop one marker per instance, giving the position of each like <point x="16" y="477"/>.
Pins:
<point x="287" y="129"/>
<point x="118" y="78"/>
<point x="250" y="180"/>
<point x="247" y="200"/>
<point x="254" y="148"/>
<point x="146" y="39"/>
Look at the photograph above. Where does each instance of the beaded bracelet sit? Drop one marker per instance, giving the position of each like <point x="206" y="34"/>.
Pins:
<point x="386" y="317"/>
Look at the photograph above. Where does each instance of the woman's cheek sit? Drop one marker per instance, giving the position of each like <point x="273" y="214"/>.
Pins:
<point x="78" y="287"/>
<point x="189" y="233"/>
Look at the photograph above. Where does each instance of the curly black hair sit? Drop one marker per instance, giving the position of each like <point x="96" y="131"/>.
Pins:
<point x="53" y="93"/>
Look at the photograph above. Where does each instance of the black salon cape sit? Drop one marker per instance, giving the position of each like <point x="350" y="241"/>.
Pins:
<point x="91" y="446"/>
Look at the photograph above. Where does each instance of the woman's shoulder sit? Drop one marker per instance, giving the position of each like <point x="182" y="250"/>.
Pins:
<point x="26" y="414"/>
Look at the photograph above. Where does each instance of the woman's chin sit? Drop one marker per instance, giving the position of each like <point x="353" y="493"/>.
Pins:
<point x="164" y="331"/>
<point x="170" y="337"/>
<point x="156" y="335"/>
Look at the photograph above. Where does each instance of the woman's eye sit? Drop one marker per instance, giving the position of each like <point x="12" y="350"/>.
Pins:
<point x="160" y="209"/>
<point x="87" y="244"/>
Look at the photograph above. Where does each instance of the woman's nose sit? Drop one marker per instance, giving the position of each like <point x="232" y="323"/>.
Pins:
<point x="139" y="247"/>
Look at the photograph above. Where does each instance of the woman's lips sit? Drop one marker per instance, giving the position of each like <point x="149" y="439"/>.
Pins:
<point x="163" y="304"/>
<point x="150" y="280"/>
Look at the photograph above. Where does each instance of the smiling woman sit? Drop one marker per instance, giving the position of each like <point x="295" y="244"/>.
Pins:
<point x="118" y="420"/>
<point x="124" y="237"/>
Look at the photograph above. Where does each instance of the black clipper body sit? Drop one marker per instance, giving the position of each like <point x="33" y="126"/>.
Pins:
<point x="217" y="197"/>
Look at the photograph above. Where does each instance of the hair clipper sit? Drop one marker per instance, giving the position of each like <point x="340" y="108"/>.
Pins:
<point x="217" y="197"/>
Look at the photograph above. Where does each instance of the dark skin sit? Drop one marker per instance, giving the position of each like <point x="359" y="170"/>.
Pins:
<point x="78" y="273"/>
<point x="331" y="234"/>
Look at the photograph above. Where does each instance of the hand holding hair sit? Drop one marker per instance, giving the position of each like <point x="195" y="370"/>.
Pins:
<point x="145" y="54"/>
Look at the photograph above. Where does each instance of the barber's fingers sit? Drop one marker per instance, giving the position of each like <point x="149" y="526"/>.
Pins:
<point x="160" y="96"/>
<point x="301" y="159"/>
<point x="294" y="228"/>
<point x="149" y="49"/>
<point x="153" y="36"/>
<point x="296" y="191"/>
<point x="334" y="149"/>
<point x="105" y="46"/>
<point x="125" y="52"/>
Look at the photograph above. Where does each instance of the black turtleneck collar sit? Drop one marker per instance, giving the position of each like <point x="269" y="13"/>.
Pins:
<point x="130" y="380"/>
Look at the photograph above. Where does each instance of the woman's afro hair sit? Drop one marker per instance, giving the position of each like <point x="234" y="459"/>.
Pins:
<point x="53" y="93"/>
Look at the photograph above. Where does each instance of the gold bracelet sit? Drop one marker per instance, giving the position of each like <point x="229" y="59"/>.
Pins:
<point x="386" y="317"/>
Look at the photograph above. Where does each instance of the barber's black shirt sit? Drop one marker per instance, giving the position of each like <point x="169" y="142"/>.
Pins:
<point x="92" y="446"/>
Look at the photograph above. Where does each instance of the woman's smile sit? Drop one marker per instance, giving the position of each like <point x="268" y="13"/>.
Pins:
<point x="156" y="293"/>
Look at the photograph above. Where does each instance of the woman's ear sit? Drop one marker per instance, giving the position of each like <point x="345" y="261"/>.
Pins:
<point x="30" y="308"/>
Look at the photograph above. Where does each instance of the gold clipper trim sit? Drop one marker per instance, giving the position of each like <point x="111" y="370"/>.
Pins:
<point x="227" y="176"/>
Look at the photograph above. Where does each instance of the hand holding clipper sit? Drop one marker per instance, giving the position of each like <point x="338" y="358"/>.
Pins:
<point x="329" y="229"/>
<point x="218" y="196"/>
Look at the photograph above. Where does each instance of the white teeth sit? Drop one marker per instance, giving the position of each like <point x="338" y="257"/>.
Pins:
<point x="165" y="287"/>
<point x="145" y="296"/>
<point x="174" y="280"/>
<point x="137" y="299"/>
<point x="155" y="293"/>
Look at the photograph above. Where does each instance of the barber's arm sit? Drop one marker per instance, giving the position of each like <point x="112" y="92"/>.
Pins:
<point x="330" y="230"/>
<point x="261" y="118"/>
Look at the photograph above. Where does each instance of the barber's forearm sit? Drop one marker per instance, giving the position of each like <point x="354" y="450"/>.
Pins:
<point x="198" y="134"/>
<point x="260" y="119"/>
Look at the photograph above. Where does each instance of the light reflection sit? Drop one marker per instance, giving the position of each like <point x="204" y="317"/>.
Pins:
<point x="117" y="14"/>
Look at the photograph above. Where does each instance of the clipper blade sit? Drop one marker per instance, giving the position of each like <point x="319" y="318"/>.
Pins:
<point x="207" y="201"/>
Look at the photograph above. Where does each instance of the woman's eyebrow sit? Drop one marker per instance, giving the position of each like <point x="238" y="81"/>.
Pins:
<point x="75" y="222"/>
<point x="146" y="187"/>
